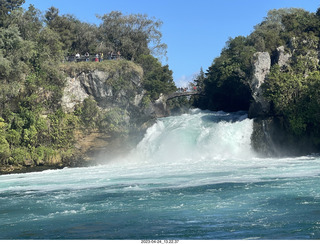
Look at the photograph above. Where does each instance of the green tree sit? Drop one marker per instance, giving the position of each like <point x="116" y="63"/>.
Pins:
<point x="6" y="8"/>
<point x="64" y="26"/>
<point x="4" y="145"/>
<point x="199" y="80"/>
<point x="132" y="35"/>
<point x="14" y="55"/>
<point x="86" y="39"/>
<point x="29" y="23"/>
<point x="225" y="83"/>
<point x="157" y="78"/>
<point x="267" y="34"/>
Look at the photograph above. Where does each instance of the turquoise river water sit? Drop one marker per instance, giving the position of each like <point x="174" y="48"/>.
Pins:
<point x="192" y="176"/>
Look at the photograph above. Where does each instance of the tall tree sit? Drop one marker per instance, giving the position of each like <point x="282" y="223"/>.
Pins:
<point x="157" y="78"/>
<point x="132" y="35"/>
<point x="29" y="22"/>
<point x="6" y="8"/>
<point x="65" y="26"/>
<point x="199" y="80"/>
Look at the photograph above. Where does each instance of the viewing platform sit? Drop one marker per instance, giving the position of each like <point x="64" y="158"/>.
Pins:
<point x="92" y="58"/>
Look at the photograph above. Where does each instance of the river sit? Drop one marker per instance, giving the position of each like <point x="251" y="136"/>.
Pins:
<point x="192" y="176"/>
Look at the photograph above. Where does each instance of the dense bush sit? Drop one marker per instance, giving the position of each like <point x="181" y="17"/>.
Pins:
<point x="157" y="78"/>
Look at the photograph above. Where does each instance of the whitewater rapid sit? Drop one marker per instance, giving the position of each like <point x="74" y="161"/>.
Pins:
<point x="193" y="176"/>
<point x="198" y="136"/>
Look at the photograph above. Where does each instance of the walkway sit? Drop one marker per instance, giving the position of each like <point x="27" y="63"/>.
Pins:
<point x="92" y="58"/>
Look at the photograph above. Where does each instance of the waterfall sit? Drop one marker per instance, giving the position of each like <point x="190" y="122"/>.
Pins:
<point x="198" y="136"/>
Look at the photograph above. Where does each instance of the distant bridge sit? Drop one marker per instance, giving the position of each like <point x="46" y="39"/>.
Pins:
<point x="160" y="104"/>
<point x="181" y="94"/>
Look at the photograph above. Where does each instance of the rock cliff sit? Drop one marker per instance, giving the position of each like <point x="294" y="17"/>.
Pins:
<point x="266" y="127"/>
<point x="270" y="137"/>
<point x="104" y="112"/>
<point x="113" y="89"/>
<point x="261" y="68"/>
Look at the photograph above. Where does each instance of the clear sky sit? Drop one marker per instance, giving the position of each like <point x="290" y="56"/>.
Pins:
<point x="194" y="30"/>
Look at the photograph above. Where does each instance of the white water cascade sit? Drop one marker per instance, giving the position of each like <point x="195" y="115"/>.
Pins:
<point x="198" y="136"/>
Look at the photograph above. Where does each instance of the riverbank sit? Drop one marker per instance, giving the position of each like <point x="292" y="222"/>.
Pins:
<point x="90" y="150"/>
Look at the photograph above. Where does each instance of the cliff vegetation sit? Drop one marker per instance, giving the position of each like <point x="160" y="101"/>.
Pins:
<point x="52" y="109"/>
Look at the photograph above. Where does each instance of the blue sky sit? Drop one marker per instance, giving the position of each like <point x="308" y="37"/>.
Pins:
<point x="194" y="30"/>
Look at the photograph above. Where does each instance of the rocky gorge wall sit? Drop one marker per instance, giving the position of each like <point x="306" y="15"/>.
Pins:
<point x="113" y="89"/>
<point x="102" y="111"/>
<point x="270" y="136"/>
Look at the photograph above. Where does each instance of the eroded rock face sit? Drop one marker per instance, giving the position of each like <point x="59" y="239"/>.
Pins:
<point x="113" y="90"/>
<point x="73" y="94"/>
<point x="103" y="87"/>
<point x="269" y="137"/>
<point x="283" y="57"/>
<point x="95" y="84"/>
<point x="261" y="68"/>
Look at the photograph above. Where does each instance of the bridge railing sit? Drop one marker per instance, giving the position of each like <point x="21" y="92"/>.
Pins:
<point x="183" y="93"/>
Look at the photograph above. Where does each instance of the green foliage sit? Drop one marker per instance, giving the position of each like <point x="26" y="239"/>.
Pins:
<point x="72" y="34"/>
<point x="283" y="88"/>
<point x="157" y="78"/>
<point x="296" y="97"/>
<point x="131" y="34"/>
<point x="199" y="81"/>
<point x="266" y="37"/>
<point x="225" y="84"/>
<point x="88" y="112"/>
<point x="293" y="92"/>
<point x="62" y="127"/>
<point x="19" y="156"/>
<point x="4" y="145"/>
<point x="115" y="121"/>
<point x="146" y="101"/>
<point x="4" y="149"/>
<point x="13" y="137"/>
<point x="13" y="52"/>
<point x="30" y="24"/>
<point x="112" y="67"/>
<point x="6" y="8"/>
